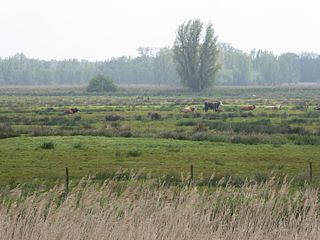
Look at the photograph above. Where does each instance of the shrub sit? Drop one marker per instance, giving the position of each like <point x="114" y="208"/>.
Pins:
<point x="115" y="125"/>
<point x="134" y="152"/>
<point x="200" y="127"/>
<point x="47" y="145"/>
<point x="102" y="83"/>
<point x="124" y="131"/>
<point x="6" y="131"/>
<point x="113" y="117"/>
<point x="305" y="140"/>
<point x="199" y="136"/>
<point x="154" y="116"/>
<point x="260" y="178"/>
<point x="296" y="121"/>
<point x="187" y="123"/>
<point x="172" y="135"/>
<point x="78" y="146"/>
<point x="138" y="117"/>
<point x="298" y="107"/>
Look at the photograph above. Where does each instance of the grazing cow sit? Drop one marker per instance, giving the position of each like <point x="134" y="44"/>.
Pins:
<point x="189" y="109"/>
<point x="212" y="105"/>
<point x="248" y="108"/>
<point x="275" y="107"/>
<point x="71" y="111"/>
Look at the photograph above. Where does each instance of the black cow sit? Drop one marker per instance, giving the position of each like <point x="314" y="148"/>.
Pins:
<point x="212" y="105"/>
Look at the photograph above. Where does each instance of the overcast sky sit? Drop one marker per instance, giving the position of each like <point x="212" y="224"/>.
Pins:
<point x="101" y="29"/>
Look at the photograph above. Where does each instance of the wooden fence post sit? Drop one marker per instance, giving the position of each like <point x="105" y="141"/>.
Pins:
<point x="67" y="180"/>
<point x="191" y="176"/>
<point x="310" y="171"/>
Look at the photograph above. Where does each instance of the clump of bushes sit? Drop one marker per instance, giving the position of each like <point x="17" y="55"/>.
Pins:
<point x="187" y="123"/>
<point x="138" y="117"/>
<point x="200" y="127"/>
<point x="172" y="135"/>
<point x="44" y="131"/>
<point x="102" y="83"/>
<point x="113" y="117"/>
<point x="47" y="145"/>
<point x="134" y="152"/>
<point x="304" y="140"/>
<point x="154" y="116"/>
<point x="6" y="131"/>
<point x="124" y="131"/>
<point x="78" y="146"/>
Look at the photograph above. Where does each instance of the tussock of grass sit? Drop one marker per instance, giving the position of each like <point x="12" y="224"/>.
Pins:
<point x="47" y="145"/>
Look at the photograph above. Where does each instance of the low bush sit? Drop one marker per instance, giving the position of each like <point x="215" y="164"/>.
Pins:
<point x="200" y="127"/>
<point x="304" y="140"/>
<point x="187" y="123"/>
<point x="102" y="83"/>
<point x="47" y="145"/>
<point x="78" y="146"/>
<point x="134" y="152"/>
<point x="172" y="135"/>
<point x="154" y="116"/>
<point x="6" y="131"/>
<point x="138" y="117"/>
<point x="113" y="117"/>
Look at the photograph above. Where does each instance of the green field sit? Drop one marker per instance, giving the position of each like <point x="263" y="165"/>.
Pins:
<point x="123" y="132"/>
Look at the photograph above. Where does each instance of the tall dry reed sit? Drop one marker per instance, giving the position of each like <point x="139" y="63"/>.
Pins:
<point x="137" y="210"/>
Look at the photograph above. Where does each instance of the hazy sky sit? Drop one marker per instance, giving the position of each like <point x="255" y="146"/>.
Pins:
<point x="101" y="29"/>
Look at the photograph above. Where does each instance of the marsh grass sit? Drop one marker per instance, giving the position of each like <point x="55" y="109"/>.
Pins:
<point x="149" y="210"/>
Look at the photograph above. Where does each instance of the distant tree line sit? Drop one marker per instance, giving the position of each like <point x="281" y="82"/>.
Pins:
<point x="157" y="66"/>
<point x="265" y="68"/>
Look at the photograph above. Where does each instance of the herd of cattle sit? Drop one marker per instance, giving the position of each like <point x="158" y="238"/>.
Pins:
<point x="214" y="106"/>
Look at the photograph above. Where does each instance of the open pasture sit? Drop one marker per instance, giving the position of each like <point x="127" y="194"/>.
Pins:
<point x="137" y="129"/>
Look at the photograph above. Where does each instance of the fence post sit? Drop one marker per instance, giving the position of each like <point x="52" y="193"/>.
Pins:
<point x="310" y="171"/>
<point x="191" y="176"/>
<point x="67" y="180"/>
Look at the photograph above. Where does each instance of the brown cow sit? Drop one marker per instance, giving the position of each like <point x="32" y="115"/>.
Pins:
<point x="248" y="108"/>
<point x="71" y="111"/>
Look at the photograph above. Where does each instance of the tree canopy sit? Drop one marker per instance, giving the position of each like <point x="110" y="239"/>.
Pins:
<point x="196" y="54"/>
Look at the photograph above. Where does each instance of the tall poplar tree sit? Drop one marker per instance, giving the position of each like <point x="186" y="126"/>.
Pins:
<point x="196" y="55"/>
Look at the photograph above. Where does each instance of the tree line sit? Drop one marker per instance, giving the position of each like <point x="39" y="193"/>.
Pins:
<point x="157" y="66"/>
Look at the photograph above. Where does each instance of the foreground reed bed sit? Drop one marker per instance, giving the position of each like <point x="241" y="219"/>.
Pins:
<point x="147" y="210"/>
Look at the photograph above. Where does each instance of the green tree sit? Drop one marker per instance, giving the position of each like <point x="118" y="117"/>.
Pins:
<point x="101" y="83"/>
<point x="236" y="65"/>
<point x="197" y="61"/>
<point x="163" y="67"/>
<point x="289" y="68"/>
<point x="266" y="67"/>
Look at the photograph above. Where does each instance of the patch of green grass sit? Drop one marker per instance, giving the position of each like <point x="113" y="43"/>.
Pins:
<point x="150" y="132"/>
<point x="103" y="153"/>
